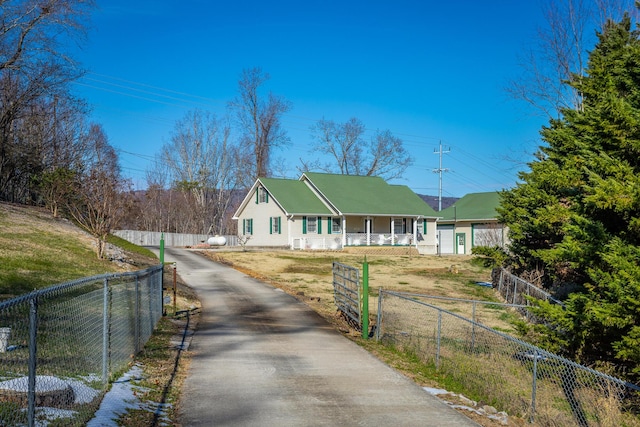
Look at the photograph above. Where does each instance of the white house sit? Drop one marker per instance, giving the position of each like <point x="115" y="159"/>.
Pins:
<point x="329" y="211"/>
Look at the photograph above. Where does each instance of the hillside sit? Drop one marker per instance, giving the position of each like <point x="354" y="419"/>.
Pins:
<point x="37" y="251"/>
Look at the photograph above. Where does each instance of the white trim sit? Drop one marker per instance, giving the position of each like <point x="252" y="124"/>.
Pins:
<point x="393" y="230"/>
<point x="344" y="230"/>
<point x="414" y="226"/>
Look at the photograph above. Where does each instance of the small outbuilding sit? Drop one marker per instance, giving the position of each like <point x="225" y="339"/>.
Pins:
<point x="471" y="221"/>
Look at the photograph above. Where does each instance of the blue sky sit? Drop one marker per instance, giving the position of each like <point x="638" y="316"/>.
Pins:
<point x="429" y="71"/>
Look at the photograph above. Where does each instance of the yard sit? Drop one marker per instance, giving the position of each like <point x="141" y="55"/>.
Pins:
<point x="308" y="276"/>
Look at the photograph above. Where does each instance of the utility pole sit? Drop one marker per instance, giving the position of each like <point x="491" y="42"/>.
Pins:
<point x="439" y="171"/>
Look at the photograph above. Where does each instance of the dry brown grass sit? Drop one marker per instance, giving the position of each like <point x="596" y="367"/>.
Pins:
<point x="308" y="276"/>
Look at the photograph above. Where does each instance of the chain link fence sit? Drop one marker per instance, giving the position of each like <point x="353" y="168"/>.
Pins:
<point x="516" y="290"/>
<point x="60" y="346"/>
<point x="510" y="374"/>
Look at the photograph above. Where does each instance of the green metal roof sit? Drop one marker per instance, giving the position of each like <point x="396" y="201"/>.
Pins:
<point x="368" y="195"/>
<point x="295" y="196"/>
<point x="473" y="206"/>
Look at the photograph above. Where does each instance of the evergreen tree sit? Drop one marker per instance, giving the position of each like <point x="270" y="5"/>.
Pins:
<point x="576" y="212"/>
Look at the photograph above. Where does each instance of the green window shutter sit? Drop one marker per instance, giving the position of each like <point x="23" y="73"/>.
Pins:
<point x="244" y="226"/>
<point x="329" y="226"/>
<point x="257" y="195"/>
<point x="251" y="225"/>
<point x="270" y="225"/>
<point x="266" y="196"/>
<point x="279" y="225"/>
<point x="424" y="226"/>
<point x="319" y="221"/>
<point x="304" y="225"/>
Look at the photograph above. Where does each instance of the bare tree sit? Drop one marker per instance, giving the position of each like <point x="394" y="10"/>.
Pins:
<point x="37" y="127"/>
<point x="382" y="155"/>
<point x="551" y="66"/>
<point x="35" y="70"/>
<point x="59" y="142"/>
<point x="99" y="198"/>
<point x="31" y="30"/>
<point x="155" y="209"/>
<point x="259" y="121"/>
<point x="204" y="163"/>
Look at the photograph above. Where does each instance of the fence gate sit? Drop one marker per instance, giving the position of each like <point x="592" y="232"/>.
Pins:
<point x="346" y="291"/>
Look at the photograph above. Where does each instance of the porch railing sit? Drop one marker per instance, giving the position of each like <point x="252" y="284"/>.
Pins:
<point x="317" y="242"/>
<point x="352" y="239"/>
<point x="379" y="239"/>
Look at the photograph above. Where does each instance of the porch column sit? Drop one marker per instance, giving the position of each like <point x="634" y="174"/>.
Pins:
<point x="367" y="223"/>
<point x="415" y="231"/>
<point x="344" y="231"/>
<point x="393" y="225"/>
<point x="289" y="236"/>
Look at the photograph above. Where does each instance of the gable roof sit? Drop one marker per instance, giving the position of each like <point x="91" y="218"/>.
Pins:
<point x="295" y="197"/>
<point x="367" y="195"/>
<point x="332" y="194"/>
<point x="473" y="207"/>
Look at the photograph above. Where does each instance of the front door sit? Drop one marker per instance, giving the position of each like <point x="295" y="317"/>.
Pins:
<point x="460" y="238"/>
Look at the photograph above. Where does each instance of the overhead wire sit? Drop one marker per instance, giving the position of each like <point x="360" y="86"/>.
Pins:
<point x="185" y="100"/>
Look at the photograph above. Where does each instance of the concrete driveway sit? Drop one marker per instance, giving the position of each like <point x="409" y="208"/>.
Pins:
<point x="262" y="358"/>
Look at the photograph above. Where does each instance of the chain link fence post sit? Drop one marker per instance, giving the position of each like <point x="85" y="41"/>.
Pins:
<point x="105" y="330"/>
<point x="137" y="316"/>
<point x="162" y="249"/>
<point x="534" y="385"/>
<point x="33" y="331"/>
<point x="438" y="340"/>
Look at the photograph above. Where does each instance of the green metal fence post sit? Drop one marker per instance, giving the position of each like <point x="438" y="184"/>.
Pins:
<point x="162" y="248"/>
<point x="365" y="299"/>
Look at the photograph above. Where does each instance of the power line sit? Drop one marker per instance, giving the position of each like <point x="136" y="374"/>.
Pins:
<point x="439" y="171"/>
<point x="179" y="99"/>
<point x="207" y="101"/>
<point x="153" y="87"/>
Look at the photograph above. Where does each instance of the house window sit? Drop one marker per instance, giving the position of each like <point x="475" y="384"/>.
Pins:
<point x="312" y="225"/>
<point x="400" y="226"/>
<point x="336" y="226"/>
<point x="274" y="225"/>
<point x="263" y="196"/>
<point x="247" y="226"/>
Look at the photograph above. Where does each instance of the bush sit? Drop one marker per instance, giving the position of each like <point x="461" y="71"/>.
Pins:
<point x="490" y="256"/>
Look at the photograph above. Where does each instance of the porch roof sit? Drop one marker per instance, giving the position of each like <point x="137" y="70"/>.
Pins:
<point x="368" y="195"/>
